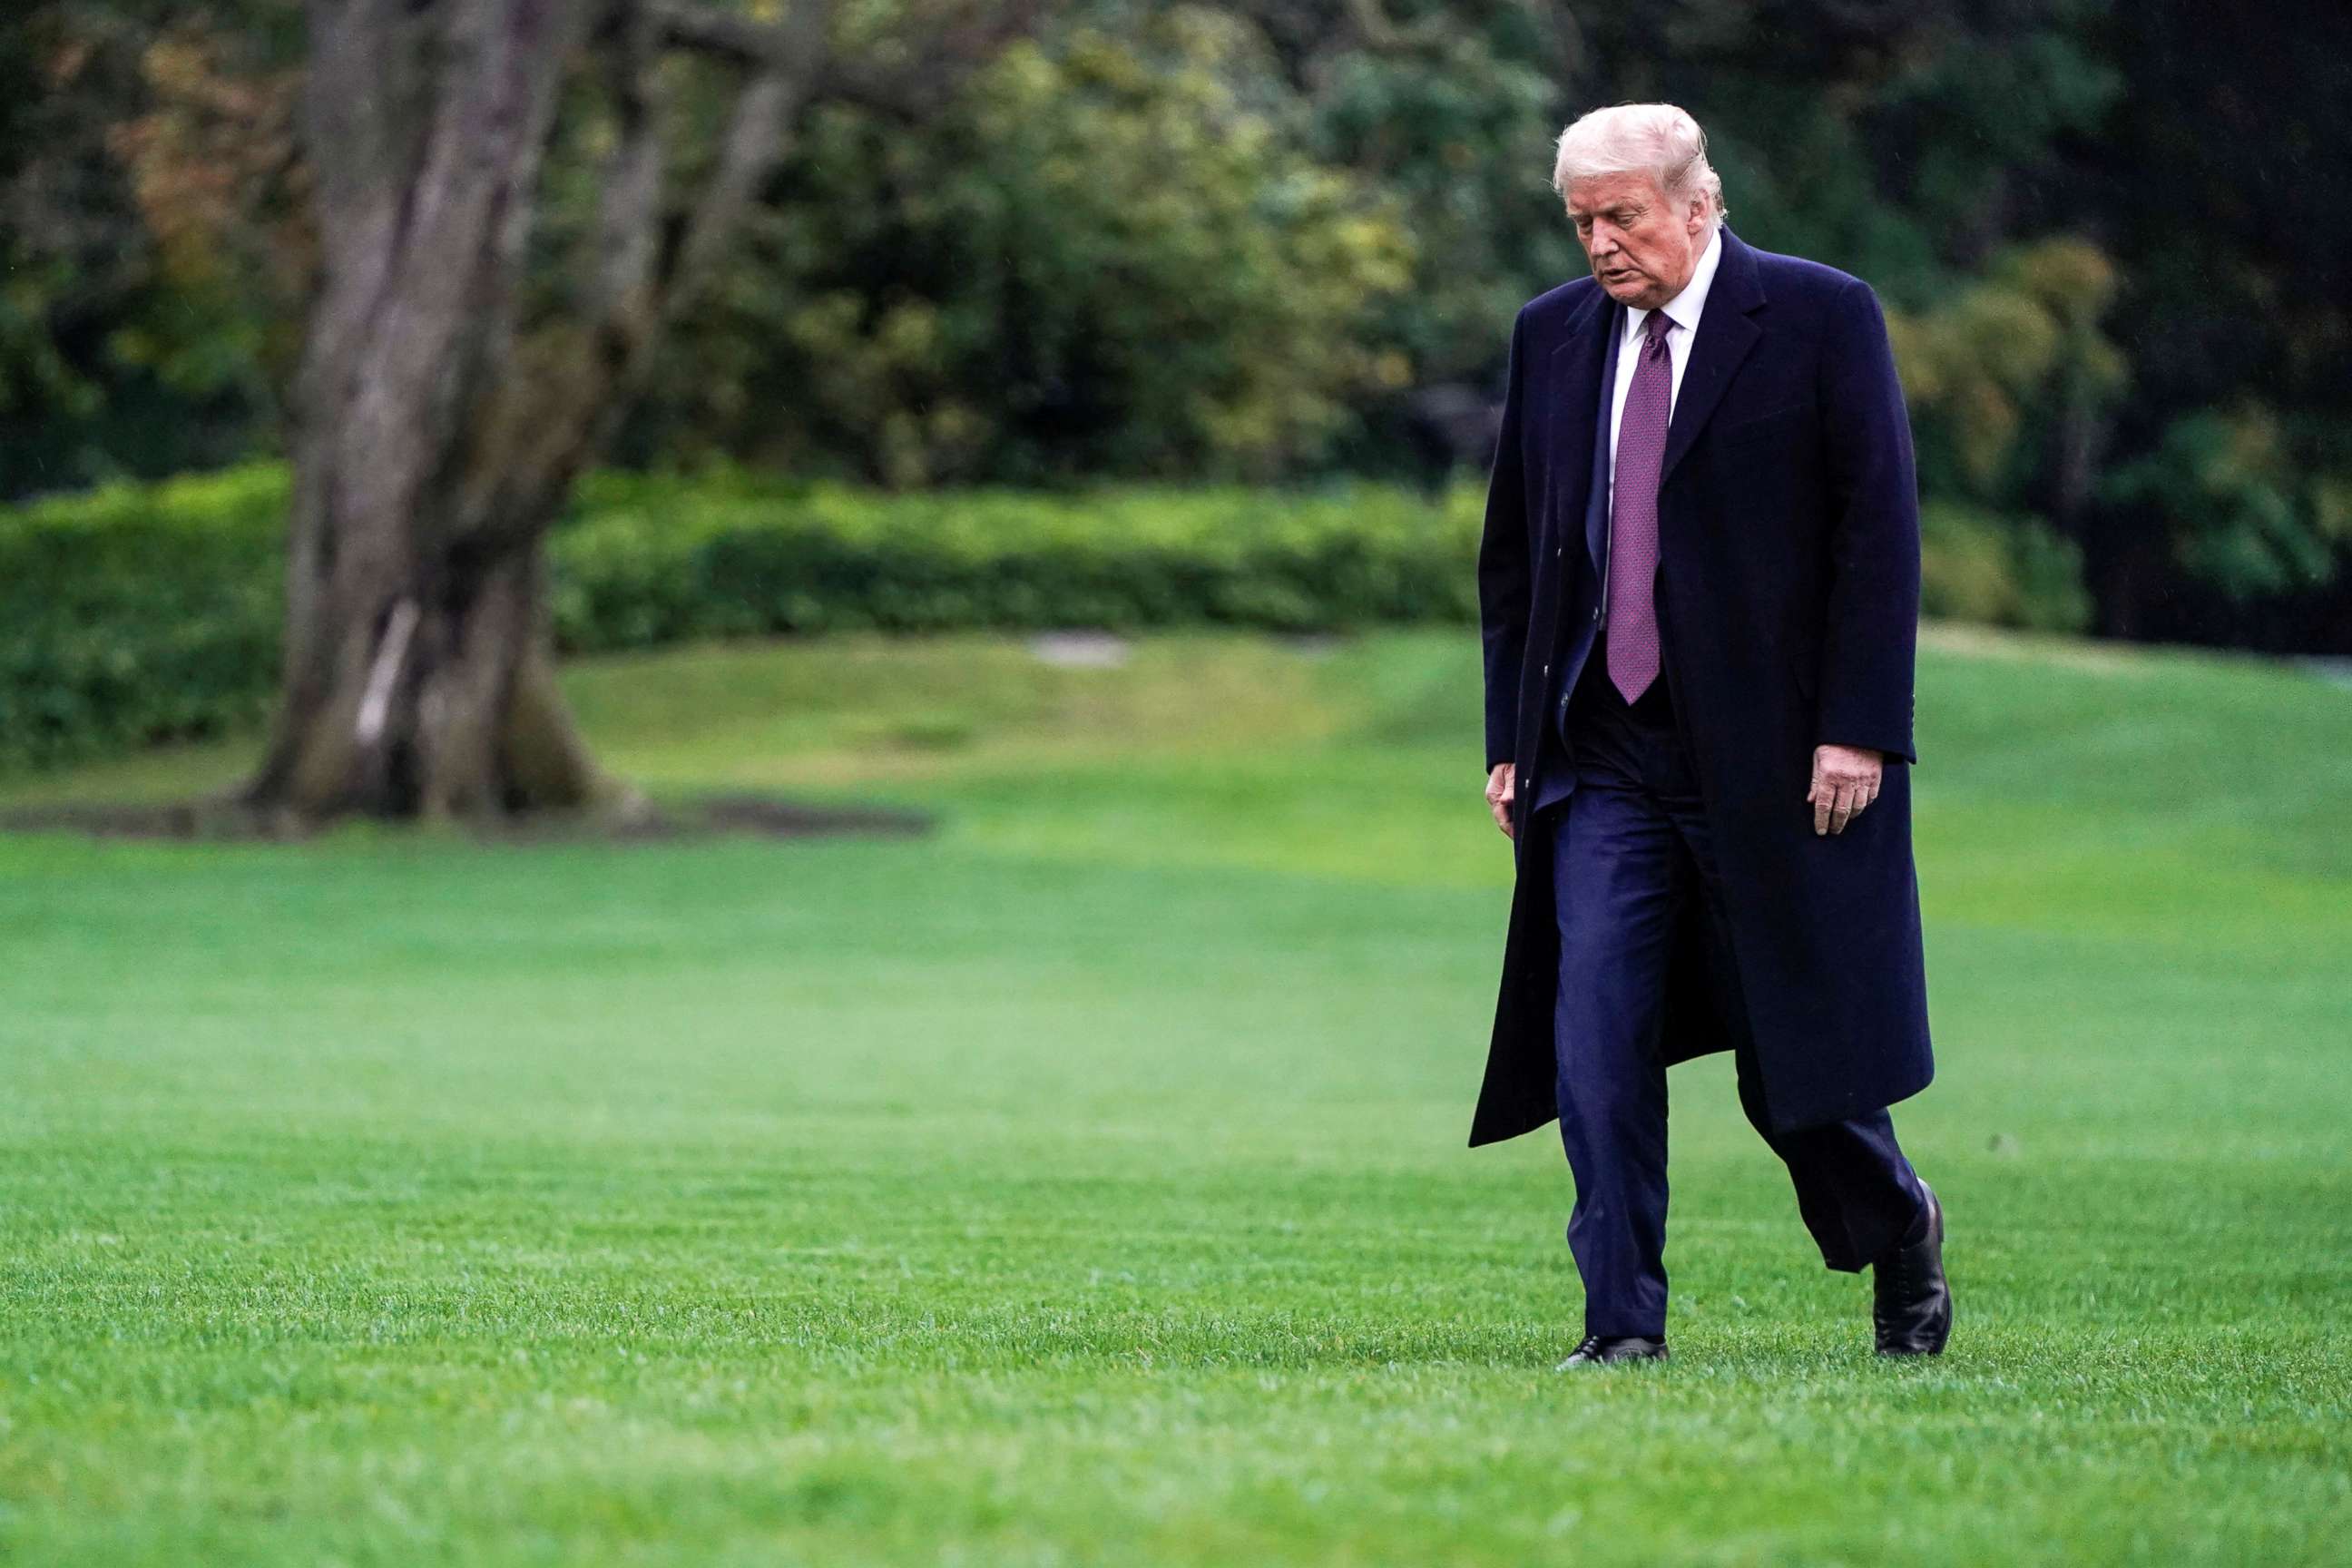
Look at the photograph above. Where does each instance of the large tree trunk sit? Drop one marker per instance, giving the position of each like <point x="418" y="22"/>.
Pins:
<point x="438" y="434"/>
<point x="436" y="700"/>
<point x="437" y="440"/>
<point x="414" y="681"/>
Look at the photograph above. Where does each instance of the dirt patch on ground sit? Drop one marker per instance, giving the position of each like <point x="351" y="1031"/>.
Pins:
<point x="708" y="816"/>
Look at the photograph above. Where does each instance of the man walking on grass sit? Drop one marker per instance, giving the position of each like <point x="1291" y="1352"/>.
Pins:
<point x="1699" y="591"/>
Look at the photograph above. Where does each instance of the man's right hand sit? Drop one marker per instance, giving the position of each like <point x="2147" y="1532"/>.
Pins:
<point x="1502" y="787"/>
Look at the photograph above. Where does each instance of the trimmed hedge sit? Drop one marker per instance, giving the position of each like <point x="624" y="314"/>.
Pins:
<point x="654" y="561"/>
<point x="138" y="613"/>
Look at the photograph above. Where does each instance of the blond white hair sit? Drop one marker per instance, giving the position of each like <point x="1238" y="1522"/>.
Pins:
<point x="1659" y="139"/>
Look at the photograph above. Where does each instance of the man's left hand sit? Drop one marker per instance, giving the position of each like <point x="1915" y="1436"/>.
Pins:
<point x="1846" y="781"/>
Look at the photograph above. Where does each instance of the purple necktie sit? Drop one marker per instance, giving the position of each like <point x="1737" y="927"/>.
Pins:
<point x="1634" y="515"/>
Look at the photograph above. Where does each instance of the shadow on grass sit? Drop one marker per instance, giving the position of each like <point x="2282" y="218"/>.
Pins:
<point x="228" y="820"/>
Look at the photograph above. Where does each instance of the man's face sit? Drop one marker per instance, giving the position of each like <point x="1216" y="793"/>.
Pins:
<point x="1643" y="247"/>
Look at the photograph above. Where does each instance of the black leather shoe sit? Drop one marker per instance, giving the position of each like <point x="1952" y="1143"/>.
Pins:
<point x="1912" y="1305"/>
<point x="1599" y="1348"/>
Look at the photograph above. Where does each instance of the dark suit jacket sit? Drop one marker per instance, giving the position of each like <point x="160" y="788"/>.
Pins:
<point x="1788" y="604"/>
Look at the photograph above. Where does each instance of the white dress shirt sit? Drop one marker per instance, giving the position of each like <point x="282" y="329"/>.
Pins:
<point x="1683" y="310"/>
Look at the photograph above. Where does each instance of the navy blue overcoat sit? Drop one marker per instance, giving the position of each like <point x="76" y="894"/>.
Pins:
<point x="1788" y="596"/>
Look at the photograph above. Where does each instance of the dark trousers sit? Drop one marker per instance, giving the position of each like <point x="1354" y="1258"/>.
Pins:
<point x="1629" y="845"/>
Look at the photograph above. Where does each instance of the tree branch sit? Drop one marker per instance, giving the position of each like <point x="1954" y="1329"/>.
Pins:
<point x="1381" y="35"/>
<point x="796" y="45"/>
<point x="800" y="50"/>
<point x="757" y="134"/>
<point x="575" y="383"/>
<point x="628" y="218"/>
<point x="573" y="386"/>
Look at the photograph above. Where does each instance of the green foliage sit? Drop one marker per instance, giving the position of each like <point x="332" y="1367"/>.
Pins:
<point x="654" y="561"/>
<point x="1455" y="132"/>
<point x="135" y="338"/>
<point x="2224" y="491"/>
<point x="2234" y="511"/>
<point x="1107" y="255"/>
<point x="140" y="614"/>
<point x="1237" y="239"/>
<point x="1991" y="365"/>
<point x="137" y="613"/>
<point x="1896" y="142"/>
<point x="1997" y="570"/>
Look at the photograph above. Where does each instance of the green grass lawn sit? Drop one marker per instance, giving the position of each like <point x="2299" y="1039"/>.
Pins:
<point x="1085" y="1183"/>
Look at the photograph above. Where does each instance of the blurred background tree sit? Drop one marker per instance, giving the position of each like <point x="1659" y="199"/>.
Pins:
<point x="146" y="168"/>
<point x="1280" y="241"/>
<point x="1113" y="254"/>
<point x="464" y="363"/>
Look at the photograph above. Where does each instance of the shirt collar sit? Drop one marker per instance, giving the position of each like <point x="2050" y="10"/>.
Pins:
<point x="1683" y="309"/>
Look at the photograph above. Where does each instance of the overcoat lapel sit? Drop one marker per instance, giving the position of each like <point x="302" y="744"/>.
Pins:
<point x="1725" y="336"/>
<point x="1576" y="384"/>
<point x="1612" y="327"/>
